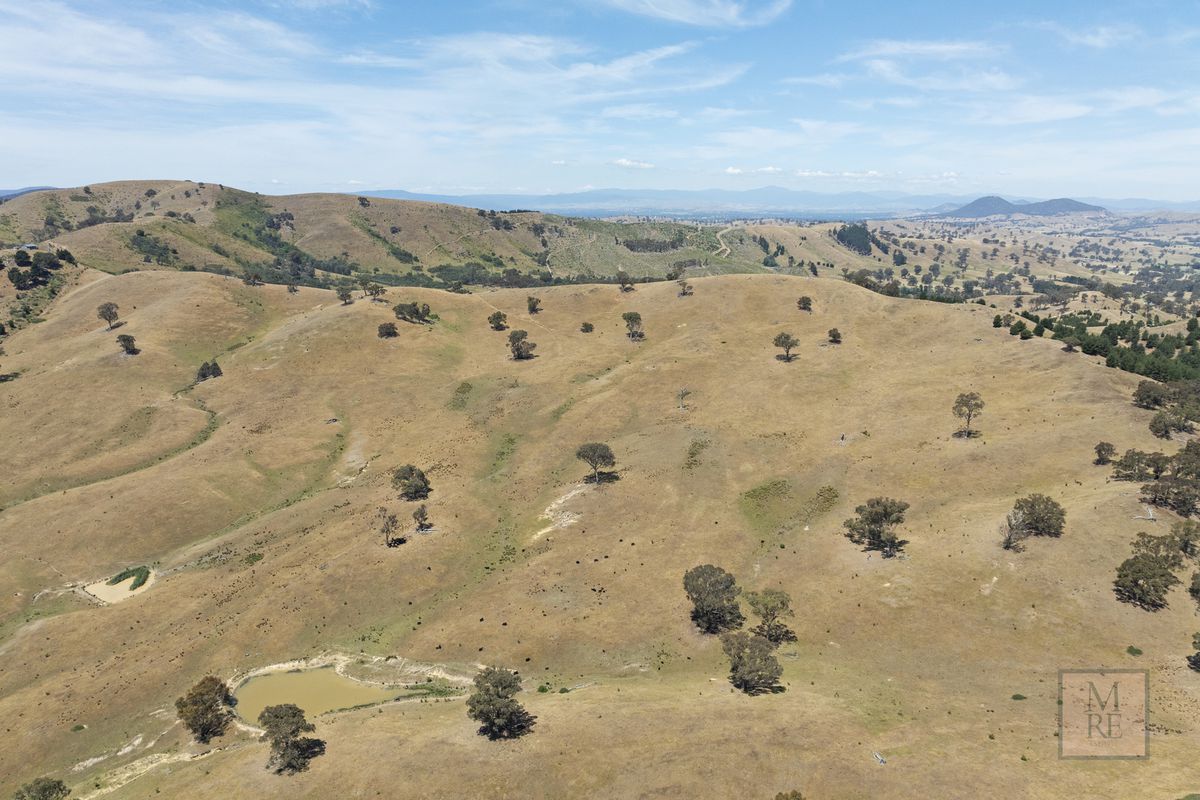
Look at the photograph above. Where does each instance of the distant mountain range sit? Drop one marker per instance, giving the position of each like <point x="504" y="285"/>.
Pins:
<point x="769" y="201"/>
<point x="992" y="206"/>
<point x="7" y="193"/>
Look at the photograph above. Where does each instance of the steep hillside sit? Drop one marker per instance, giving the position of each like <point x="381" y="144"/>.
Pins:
<point x="254" y="498"/>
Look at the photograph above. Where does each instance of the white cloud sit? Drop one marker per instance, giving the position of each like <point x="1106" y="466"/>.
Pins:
<point x="753" y="171"/>
<point x="909" y="48"/>
<point x="629" y="163"/>
<point x="638" y="111"/>
<point x="959" y="81"/>
<point x="707" y="13"/>
<point x="1101" y="37"/>
<point x="828" y="80"/>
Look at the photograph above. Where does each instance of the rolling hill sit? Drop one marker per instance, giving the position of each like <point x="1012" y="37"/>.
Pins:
<point x="254" y="499"/>
<point x="993" y="206"/>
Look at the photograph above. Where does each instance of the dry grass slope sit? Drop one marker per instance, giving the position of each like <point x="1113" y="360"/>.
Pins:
<point x="915" y="658"/>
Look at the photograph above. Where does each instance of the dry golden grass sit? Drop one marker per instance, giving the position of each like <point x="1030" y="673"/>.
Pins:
<point x="915" y="658"/>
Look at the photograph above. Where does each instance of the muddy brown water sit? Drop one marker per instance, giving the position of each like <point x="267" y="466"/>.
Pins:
<point x="314" y="690"/>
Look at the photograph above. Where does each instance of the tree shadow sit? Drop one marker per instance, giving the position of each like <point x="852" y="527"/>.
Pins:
<point x="397" y="541"/>
<point x="519" y="724"/>
<point x="967" y="434"/>
<point x="117" y="324"/>
<point x="755" y="691"/>
<point x="603" y="477"/>
<point x="783" y="358"/>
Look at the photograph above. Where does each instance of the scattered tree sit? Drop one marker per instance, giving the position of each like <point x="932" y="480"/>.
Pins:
<point x="623" y="281"/>
<point x="633" y="326"/>
<point x="804" y="303"/>
<point x="1193" y="660"/>
<point x="713" y="593"/>
<point x="596" y="455"/>
<point x="1143" y="580"/>
<point x="1070" y="343"/>
<point x="1105" y="452"/>
<point x="753" y="667"/>
<point x="1041" y="515"/>
<point x="493" y="705"/>
<point x="388" y="330"/>
<point x="412" y="312"/>
<point x="587" y="327"/>
<point x="411" y="483"/>
<point x="421" y="517"/>
<point x="519" y="344"/>
<point x="108" y="313"/>
<point x="42" y="789"/>
<point x="388" y="524"/>
<point x="772" y="606"/>
<point x="498" y="320"/>
<point x="374" y="291"/>
<point x="290" y="752"/>
<point x="128" y="344"/>
<point x="835" y="336"/>
<point x="533" y="304"/>
<point x="209" y="369"/>
<point x="204" y="710"/>
<point x="685" y="288"/>
<point x="875" y="525"/>
<point x="786" y="342"/>
<point x="967" y="406"/>
<point x="345" y="294"/>
<point x="293" y="288"/>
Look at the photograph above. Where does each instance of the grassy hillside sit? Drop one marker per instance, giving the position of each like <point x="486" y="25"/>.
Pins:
<point x="208" y="227"/>
<point x="254" y="497"/>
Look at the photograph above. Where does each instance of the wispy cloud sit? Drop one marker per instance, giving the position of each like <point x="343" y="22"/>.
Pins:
<point x="909" y="48"/>
<point x="707" y="13"/>
<point x="1101" y="37"/>
<point x="828" y="80"/>
<point x="629" y="163"/>
<point x="753" y="170"/>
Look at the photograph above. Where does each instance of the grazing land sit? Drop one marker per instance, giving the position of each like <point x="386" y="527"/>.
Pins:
<point x="254" y="498"/>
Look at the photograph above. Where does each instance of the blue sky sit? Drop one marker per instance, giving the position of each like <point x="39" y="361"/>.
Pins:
<point x="279" y="96"/>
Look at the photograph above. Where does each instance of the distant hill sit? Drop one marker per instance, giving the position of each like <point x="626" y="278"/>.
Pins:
<point x="6" y="194"/>
<point x="993" y="206"/>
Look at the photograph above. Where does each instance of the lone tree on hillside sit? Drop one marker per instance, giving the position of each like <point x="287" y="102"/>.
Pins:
<point x="596" y="455"/>
<point x="1105" y="452"/>
<point x="685" y="288"/>
<point x="623" y="280"/>
<point x="804" y="303"/>
<point x="967" y="406"/>
<point x="388" y="330"/>
<point x="533" y="304"/>
<point x="786" y="342"/>
<point x="374" y="291"/>
<point x="875" y="525"/>
<point x="753" y="667"/>
<point x="835" y="336"/>
<point x="108" y="313"/>
<point x="713" y="593"/>
<point x="586" y="327"/>
<point x="290" y="752"/>
<point x="519" y="344"/>
<point x="411" y="483"/>
<point x="345" y="294"/>
<point x="42" y="789"/>
<point x="204" y="710"/>
<point x="492" y="704"/>
<point x="772" y="606"/>
<point x="633" y="326"/>
<point x="1070" y="343"/>
<point x="1040" y="515"/>
<point x="128" y="344"/>
<point x="498" y="320"/>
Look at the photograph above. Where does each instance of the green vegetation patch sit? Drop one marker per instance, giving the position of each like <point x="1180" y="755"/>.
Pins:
<point x="694" y="451"/>
<point x="462" y="394"/>
<point x="773" y="507"/>
<point x="139" y="574"/>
